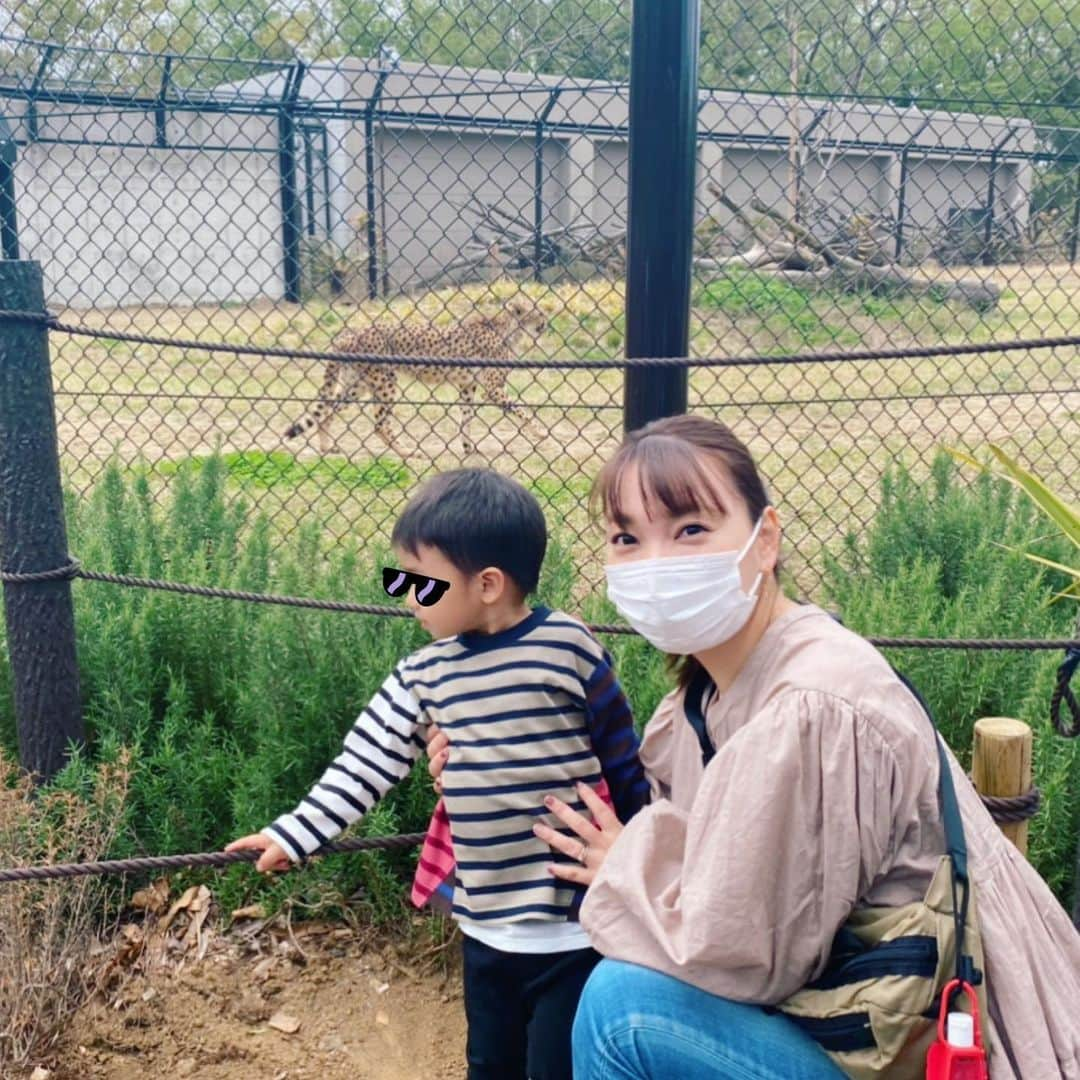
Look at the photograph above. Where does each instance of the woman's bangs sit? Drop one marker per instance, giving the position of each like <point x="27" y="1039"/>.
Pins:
<point x="671" y="473"/>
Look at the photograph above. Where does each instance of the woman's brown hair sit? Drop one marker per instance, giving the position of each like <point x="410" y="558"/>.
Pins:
<point x="670" y="456"/>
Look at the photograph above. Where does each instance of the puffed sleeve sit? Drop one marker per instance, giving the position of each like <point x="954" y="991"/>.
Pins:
<point x="743" y="894"/>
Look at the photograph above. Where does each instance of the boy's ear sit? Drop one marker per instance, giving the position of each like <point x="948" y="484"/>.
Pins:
<point x="493" y="584"/>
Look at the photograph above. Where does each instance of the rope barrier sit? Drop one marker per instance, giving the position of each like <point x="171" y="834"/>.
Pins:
<point x="1013" y="808"/>
<point x="207" y="858"/>
<point x="72" y="569"/>
<point x="1002" y="809"/>
<point x="913" y="352"/>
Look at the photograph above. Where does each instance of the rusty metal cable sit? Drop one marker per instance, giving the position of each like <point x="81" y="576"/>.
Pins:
<point x="50" y="320"/>
<point x="73" y="569"/>
<point x="216" y="859"/>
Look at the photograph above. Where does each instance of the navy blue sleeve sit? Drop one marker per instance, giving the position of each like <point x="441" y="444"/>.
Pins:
<point x="614" y="741"/>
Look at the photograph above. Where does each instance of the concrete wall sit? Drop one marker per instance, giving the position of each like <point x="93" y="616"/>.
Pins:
<point x="115" y="226"/>
<point x="431" y="179"/>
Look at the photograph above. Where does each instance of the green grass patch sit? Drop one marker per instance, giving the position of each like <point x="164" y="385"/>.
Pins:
<point x="780" y="307"/>
<point x="555" y="489"/>
<point x="768" y="307"/>
<point x="279" y="468"/>
<point x="588" y="335"/>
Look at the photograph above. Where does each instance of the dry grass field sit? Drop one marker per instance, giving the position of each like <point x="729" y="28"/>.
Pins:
<point x="823" y="431"/>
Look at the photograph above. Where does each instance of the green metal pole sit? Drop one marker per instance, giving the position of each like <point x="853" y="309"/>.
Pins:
<point x="9" y="228"/>
<point x="660" y="223"/>
<point x="33" y="538"/>
<point x="291" y="216"/>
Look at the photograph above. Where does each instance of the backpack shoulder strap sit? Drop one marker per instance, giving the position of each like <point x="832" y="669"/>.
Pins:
<point x="698" y="690"/>
<point x="955" y="844"/>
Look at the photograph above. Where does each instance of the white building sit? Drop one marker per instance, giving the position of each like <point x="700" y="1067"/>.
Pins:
<point x="156" y="202"/>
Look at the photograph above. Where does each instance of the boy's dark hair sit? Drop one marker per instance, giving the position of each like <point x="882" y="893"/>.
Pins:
<point x="477" y="518"/>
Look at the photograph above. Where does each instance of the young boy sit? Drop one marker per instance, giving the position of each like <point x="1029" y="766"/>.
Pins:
<point x="532" y="707"/>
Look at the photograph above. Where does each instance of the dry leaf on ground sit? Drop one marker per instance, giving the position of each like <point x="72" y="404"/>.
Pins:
<point x="182" y="904"/>
<point x="252" y="911"/>
<point x="154" y="899"/>
<point x="282" y="1021"/>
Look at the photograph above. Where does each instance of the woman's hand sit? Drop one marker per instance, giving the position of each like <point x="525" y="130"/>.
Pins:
<point x="596" y="836"/>
<point x="273" y="855"/>
<point x="438" y="752"/>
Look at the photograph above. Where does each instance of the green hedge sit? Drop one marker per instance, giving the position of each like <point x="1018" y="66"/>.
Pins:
<point x="935" y="562"/>
<point x="232" y="709"/>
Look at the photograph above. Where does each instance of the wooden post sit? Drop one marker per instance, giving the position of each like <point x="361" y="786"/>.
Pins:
<point x="1001" y="766"/>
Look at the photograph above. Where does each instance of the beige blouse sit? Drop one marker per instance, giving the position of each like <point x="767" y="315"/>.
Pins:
<point x="822" y="795"/>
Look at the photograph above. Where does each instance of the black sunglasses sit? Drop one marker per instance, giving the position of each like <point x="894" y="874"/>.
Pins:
<point x="429" y="590"/>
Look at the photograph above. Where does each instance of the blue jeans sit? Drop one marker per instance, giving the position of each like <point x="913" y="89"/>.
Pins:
<point x="634" y="1023"/>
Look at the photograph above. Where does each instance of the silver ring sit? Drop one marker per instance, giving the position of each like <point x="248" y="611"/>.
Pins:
<point x="583" y="853"/>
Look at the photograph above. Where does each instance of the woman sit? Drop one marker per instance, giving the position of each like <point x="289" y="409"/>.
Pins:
<point x="726" y="893"/>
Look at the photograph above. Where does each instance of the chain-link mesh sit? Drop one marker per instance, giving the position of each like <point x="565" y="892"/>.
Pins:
<point x="431" y="177"/>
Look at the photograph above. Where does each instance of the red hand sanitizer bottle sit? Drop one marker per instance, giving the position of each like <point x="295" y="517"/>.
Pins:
<point x="958" y="1053"/>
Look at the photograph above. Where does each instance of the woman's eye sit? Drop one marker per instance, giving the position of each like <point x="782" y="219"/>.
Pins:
<point x="621" y="539"/>
<point x="692" y="530"/>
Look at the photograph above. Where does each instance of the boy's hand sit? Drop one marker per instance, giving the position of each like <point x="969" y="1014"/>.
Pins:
<point x="438" y="751"/>
<point x="273" y="855"/>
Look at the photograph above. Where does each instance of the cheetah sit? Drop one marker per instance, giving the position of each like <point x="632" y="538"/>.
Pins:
<point x="482" y="336"/>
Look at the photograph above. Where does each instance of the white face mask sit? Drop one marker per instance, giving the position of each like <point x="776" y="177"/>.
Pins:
<point x="684" y="604"/>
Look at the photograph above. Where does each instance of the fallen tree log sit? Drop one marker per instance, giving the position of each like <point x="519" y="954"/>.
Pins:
<point x="759" y="255"/>
<point x="799" y="260"/>
<point x="859" y="276"/>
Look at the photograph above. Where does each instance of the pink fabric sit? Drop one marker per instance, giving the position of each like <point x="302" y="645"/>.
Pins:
<point x="436" y="865"/>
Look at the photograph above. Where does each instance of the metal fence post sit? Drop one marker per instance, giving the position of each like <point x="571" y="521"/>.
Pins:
<point x="660" y="206"/>
<point x="901" y="206"/>
<point x="901" y="201"/>
<point x="1074" y="235"/>
<point x="291" y="217"/>
<point x="309" y="179"/>
<point x="33" y="538"/>
<point x="538" y="185"/>
<point x="324" y="157"/>
<point x="988" y="221"/>
<point x="35" y="92"/>
<point x="371" y="204"/>
<point x="161" y="111"/>
<point x="9" y="228"/>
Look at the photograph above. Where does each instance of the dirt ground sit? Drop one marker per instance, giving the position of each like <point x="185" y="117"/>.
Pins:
<point x="262" y="1000"/>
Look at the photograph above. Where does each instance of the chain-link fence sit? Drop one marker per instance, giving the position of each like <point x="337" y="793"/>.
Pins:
<point x="449" y="177"/>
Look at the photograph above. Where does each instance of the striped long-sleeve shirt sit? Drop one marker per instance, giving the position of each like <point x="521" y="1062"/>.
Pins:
<point x="527" y="710"/>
